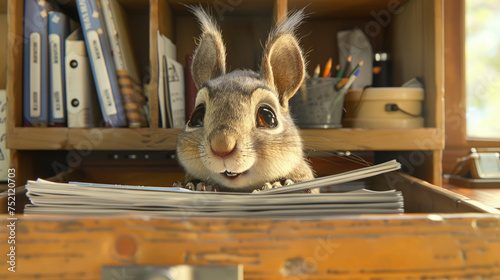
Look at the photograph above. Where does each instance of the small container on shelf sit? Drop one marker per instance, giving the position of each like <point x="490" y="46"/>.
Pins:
<point x="318" y="104"/>
<point x="394" y="107"/>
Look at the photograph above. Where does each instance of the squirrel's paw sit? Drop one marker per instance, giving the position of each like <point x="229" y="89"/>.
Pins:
<point x="195" y="186"/>
<point x="273" y="185"/>
<point x="278" y="184"/>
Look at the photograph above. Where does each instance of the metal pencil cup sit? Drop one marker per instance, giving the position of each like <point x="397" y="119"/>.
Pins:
<point x="318" y="104"/>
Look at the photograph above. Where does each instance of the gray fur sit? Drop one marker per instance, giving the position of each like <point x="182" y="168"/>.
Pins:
<point x="238" y="81"/>
<point x="258" y="154"/>
<point x="210" y="57"/>
<point x="283" y="64"/>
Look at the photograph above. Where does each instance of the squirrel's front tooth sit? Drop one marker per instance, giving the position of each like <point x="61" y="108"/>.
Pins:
<point x="231" y="174"/>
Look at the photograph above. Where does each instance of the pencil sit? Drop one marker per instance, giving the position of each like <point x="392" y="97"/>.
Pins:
<point x="352" y="78"/>
<point x="316" y="71"/>
<point x="347" y="65"/>
<point x="339" y="71"/>
<point x="328" y="67"/>
<point x="347" y="82"/>
<point x="356" y="68"/>
<point x="342" y="83"/>
<point x="343" y="89"/>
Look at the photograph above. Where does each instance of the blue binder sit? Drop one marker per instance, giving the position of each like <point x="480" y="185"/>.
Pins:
<point x="35" y="64"/>
<point x="58" y="31"/>
<point x="101" y="62"/>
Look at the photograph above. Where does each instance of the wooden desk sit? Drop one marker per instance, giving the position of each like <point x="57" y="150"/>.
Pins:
<point x="489" y="197"/>
<point x="442" y="235"/>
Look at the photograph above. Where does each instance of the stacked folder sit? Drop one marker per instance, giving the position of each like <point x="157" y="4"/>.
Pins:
<point x="87" y="63"/>
<point x="88" y="198"/>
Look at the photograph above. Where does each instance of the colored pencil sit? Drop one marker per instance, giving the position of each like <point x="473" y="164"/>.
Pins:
<point x="316" y="71"/>
<point x="356" y="68"/>
<point x="327" y="69"/>
<point x="352" y="78"/>
<point x="346" y="66"/>
<point x="342" y="83"/>
<point x="353" y="74"/>
<point x="345" y="87"/>
<point x="339" y="71"/>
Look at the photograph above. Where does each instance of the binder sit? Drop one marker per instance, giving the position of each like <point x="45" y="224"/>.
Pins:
<point x="35" y="63"/>
<point x="131" y="91"/>
<point x="82" y="103"/>
<point x="58" y="27"/>
<point x="101" y="62"/>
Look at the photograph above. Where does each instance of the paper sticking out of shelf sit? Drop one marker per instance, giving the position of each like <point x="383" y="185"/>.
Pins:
<point x="414" y="83"/>
<point x="171" y="91"/>
<point x="354" y="42"/>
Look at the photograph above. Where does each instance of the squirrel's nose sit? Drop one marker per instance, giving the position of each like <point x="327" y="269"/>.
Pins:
<point x="222" y="146"/>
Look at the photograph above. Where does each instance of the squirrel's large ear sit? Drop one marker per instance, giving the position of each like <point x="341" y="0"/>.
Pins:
<point x="209" y="59"/>
<point x="283" y="65"/>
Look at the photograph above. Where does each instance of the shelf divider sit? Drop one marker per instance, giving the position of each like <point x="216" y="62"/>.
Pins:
<point x="150" y="139"/>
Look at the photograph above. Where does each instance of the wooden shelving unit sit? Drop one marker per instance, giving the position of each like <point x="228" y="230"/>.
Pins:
<point x="442" y="235"/>
<point x="412" y="33"/>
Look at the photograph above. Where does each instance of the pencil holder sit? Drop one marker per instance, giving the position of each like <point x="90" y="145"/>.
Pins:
<point x="318" y="104"/>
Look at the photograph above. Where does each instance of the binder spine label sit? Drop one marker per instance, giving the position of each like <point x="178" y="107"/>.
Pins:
<point x="35" y="75"/>
<point x="57" y="85"/>
<point x="103" y="83"/>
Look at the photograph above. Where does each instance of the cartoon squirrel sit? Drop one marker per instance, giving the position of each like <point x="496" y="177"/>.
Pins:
<point x="241" y="137"/>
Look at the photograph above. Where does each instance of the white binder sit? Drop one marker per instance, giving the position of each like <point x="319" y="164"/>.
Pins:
<point x="81" y="103"/>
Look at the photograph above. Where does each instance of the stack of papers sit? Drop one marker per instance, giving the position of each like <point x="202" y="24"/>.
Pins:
<point x="87" y="198"/>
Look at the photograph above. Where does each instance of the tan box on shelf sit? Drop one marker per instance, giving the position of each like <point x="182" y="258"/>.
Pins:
<point x="394" y="107"/>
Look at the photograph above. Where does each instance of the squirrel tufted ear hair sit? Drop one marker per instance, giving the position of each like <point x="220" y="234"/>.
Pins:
<point x="283" y="65"/>
<point x="209" y="59"/>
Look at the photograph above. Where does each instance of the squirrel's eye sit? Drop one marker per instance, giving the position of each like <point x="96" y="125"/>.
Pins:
<point x="266" y="118"/>
<point x="197" y="117"/>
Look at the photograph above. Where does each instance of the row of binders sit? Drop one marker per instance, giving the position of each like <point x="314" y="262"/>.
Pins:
<point x="80" y="75"/>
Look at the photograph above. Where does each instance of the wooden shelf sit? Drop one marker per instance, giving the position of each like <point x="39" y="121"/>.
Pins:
<point x="373" y="139"/>
<point x="344" y="9"/>
<point x="224" y="9"/>
<point x="245" y="26"/>
<point x="23" y="138"/>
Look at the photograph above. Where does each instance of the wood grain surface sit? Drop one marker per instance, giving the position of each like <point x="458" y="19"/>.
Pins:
<point x="361" y="247"/>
